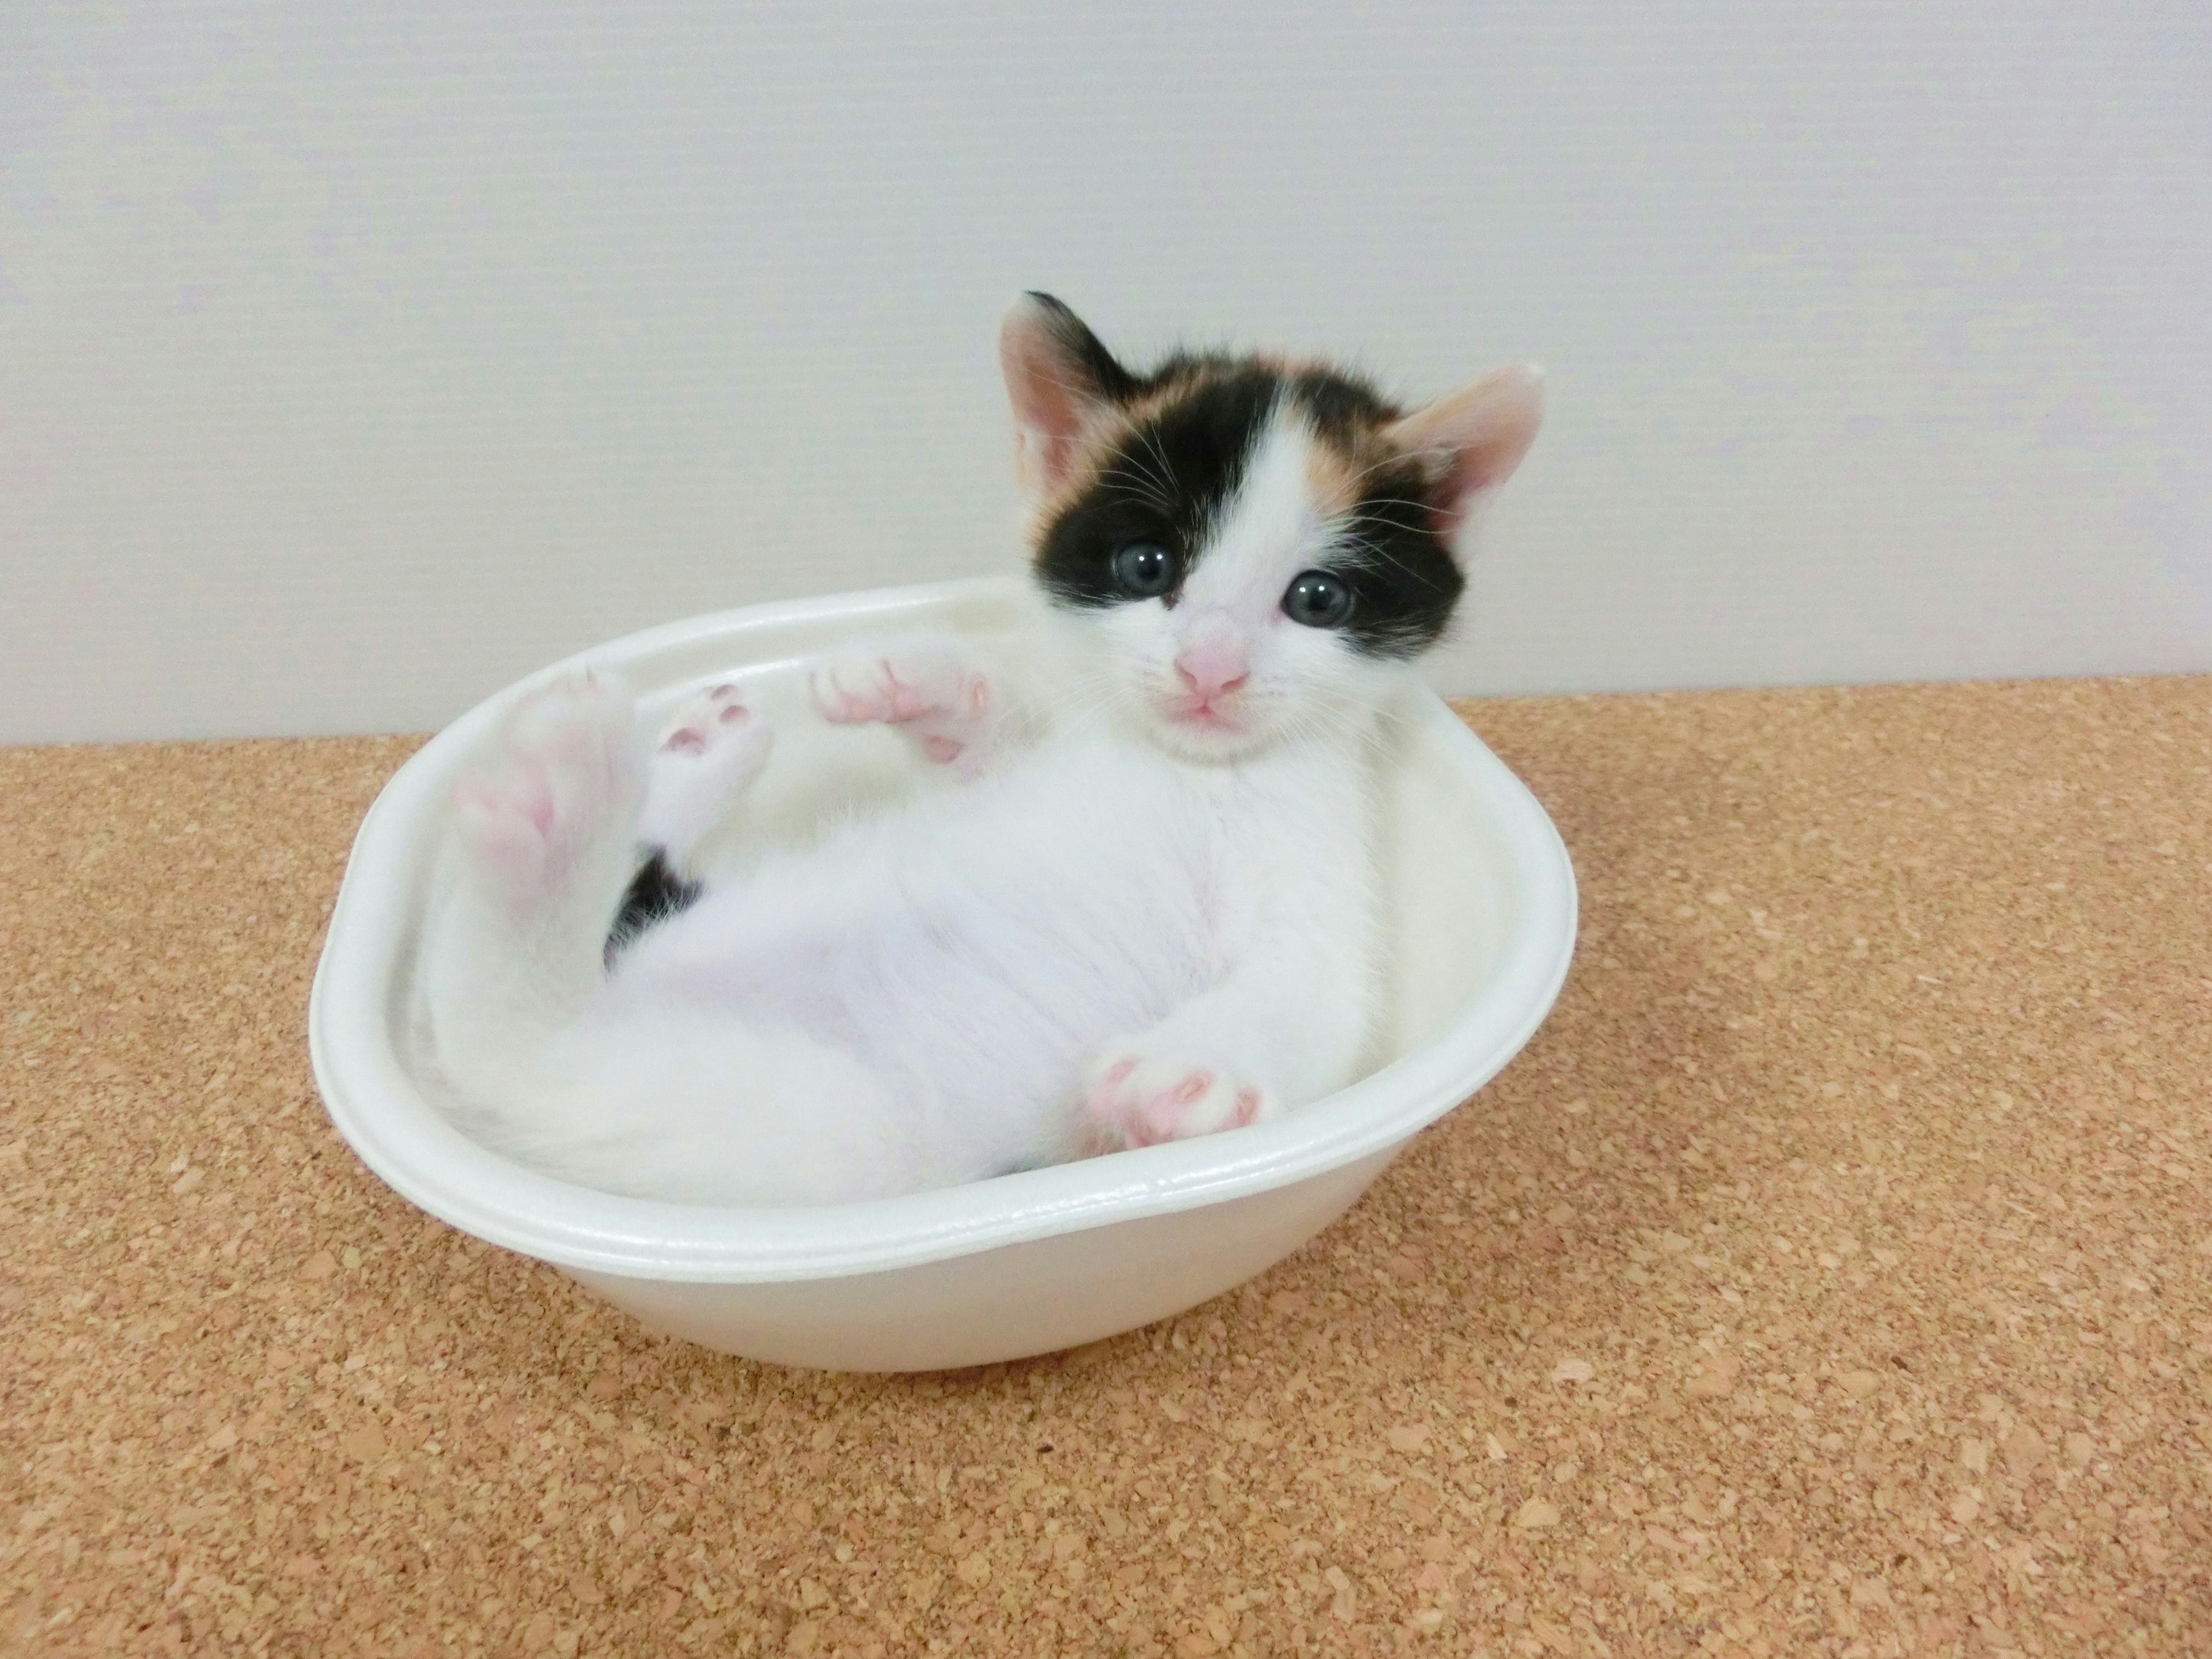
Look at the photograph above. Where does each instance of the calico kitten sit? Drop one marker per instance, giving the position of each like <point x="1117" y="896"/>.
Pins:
<point x="1145" y="906"/>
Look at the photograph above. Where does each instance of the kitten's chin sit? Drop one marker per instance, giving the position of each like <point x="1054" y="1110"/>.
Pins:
<point x="1210" y="735"/>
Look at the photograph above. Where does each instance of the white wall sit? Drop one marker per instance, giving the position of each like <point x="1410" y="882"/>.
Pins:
<point x="352" y="362"/>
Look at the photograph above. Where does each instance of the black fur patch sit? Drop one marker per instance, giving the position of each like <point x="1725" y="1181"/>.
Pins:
<point x="1165" y="482"/>
<point x="1405" y="582"/>
<point x="1170" y="476"/>
<point x="1342" y="407"/>
<point x="1098" y="365"/>
<point x="655" y="894"/>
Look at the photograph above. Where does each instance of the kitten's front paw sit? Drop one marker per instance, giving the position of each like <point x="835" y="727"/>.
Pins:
<point x="1137" y="1098"/>
<point x="945" y="703"/>
<point x="710" y="754"/>
<point x="564" y="776"/>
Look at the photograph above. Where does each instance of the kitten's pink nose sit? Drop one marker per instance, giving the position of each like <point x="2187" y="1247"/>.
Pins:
<point x="1212" y="667"/>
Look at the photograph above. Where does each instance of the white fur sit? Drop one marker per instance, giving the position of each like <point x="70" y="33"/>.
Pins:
<point x="1140" y="927"/>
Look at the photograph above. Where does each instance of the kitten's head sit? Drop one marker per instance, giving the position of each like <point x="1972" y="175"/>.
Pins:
<point x="1256" y="544"/>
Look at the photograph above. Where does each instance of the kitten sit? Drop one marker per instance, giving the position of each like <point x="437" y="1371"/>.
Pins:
<point x="1145" y="905"/>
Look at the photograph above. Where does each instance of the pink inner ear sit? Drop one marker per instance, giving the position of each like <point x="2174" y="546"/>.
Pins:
<point x="1055" y="404"/>
<point x="1473" y="439"/>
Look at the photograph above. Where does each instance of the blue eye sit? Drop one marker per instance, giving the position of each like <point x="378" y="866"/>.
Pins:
<point x="1318" y="600"/>
<point x="1143" y="570"/>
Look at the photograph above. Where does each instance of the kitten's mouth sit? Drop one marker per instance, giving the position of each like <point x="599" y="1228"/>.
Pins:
<point x="1205" y="716"/>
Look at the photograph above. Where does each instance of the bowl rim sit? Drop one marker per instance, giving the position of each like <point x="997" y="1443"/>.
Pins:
<point x="406" y="1141"/>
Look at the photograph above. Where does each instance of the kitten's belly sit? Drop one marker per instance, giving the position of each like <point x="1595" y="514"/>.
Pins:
<point x="979" y="947"/>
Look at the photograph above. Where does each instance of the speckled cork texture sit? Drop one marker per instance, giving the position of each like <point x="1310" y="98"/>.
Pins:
<point x="1832" y="1275"/>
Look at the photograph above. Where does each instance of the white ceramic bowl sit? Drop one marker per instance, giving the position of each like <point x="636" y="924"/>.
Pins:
<point x="1483" y="923"/>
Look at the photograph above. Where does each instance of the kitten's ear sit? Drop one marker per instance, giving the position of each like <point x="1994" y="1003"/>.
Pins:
<point x="1062" y="383"/>
<point x="1472" y="441"/>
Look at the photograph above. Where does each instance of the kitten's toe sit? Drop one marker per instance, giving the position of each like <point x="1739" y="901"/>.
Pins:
<point x="1136" y="1099"/>
<point x="709" y="753"/>
<point x="854" y="690"/>
<point x="563" y="775"/>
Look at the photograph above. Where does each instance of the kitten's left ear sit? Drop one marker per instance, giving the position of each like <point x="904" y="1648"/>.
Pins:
<point x="1063" y="383"/>
<point x="1472" y="441"/>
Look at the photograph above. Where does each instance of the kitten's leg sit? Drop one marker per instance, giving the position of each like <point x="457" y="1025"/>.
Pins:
<point x="688" y="1103"/>
<point x="1286" y="1026"/>
<point x="932" y="691"/>
<point x="546" y="823"/>
<point x="710" y="754"/>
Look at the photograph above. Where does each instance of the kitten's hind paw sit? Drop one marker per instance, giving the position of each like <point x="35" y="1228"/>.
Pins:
<point x="943" y="703"/>
<point x="1136" y="1097"/>
<point x="562" y="780"/>
<point x="710" y="754"/>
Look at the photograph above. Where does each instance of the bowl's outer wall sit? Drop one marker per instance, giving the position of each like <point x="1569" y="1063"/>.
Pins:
<point x="1034" y="1298"/>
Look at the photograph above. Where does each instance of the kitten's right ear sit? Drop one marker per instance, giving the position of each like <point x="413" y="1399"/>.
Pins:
<point x="1063" y="383"/>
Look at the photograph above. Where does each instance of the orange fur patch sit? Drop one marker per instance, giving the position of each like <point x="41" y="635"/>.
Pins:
<point x="1336" y="473"/>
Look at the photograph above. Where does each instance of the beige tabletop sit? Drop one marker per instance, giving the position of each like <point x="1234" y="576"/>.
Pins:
<point x="1833" y="1274"/>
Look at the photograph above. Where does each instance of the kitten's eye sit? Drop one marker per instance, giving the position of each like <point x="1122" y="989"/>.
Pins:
<point x="1143" y="570"/>
<point x="1318" y="599"/>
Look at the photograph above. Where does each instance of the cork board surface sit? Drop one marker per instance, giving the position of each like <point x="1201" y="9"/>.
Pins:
<point x="1833" y="1274"/>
